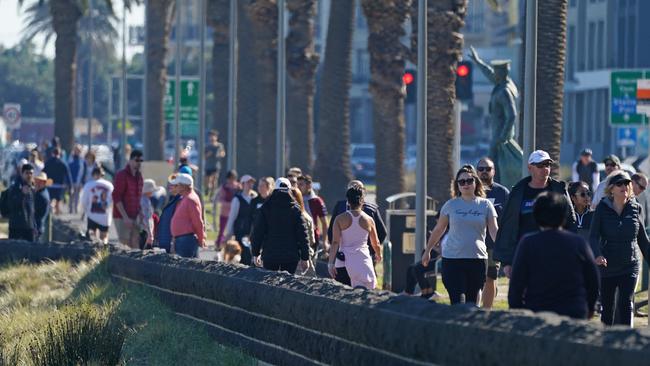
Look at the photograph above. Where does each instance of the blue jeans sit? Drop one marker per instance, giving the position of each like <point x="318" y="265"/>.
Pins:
<point x="187" y="245"/>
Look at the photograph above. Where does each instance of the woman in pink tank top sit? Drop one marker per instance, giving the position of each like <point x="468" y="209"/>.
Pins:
<point x="351" y="232"/>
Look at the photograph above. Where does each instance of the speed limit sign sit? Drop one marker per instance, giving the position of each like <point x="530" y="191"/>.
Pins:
<point x="11" y="113"/>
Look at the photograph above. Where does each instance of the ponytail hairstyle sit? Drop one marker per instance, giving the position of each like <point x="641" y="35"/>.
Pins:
<point x="355" y="196"/>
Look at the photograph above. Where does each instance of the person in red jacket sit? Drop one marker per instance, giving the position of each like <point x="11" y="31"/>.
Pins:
<point x="126" y="200"/>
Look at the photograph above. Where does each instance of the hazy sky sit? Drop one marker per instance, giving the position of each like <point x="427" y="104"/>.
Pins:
<point x="11" y="23"/>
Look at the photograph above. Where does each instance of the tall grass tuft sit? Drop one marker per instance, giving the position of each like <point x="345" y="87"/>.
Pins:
<point x="80" y="335"/>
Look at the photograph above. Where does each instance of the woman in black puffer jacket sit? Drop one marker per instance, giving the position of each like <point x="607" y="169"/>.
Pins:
<point x="616" y="231"/>
<point x="279" y="232"/>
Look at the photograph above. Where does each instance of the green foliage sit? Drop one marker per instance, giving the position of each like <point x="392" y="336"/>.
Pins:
<point x="49" y="310"/>
<point x="80" y="334"/>
<point x="28" y="79"/>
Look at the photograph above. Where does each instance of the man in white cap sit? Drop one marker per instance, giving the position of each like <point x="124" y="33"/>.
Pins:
<point x="240" y="218"/>
<point x="187" y="222"/>
<point x="517" y="219"/>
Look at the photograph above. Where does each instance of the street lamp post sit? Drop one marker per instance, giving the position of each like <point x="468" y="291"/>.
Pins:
<point x="201" y="138"/>
<point x="177" y="78"/>
<point x="530" y="83"/>
<point x="232" y="89"/>
<point x="280" y="159"/>
<point x="90" y="74"/>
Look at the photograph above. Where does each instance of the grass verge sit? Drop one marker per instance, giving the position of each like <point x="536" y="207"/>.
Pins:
<point x="37" y="301"/>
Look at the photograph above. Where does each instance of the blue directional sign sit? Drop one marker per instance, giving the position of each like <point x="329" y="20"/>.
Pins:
<point x="626" y="136"/>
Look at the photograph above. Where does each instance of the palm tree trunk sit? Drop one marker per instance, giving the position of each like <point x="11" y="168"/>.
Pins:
<point x="445" y="19"/>
<point x="387" y="57"/>
<point x="302" y="61"/>
<point x="65" y="15"/>
<point x="159" y="15"/>
<point x="247" y="92"/>
<point x="333" y="164"/>
<point x="219" y="20"/>
<point x="551" y="58"/>
<point x="264" y="16"/>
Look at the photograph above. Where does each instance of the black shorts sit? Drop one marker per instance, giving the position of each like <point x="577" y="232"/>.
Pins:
<point x="92" y="225"/>
<point x="211" y="171"/>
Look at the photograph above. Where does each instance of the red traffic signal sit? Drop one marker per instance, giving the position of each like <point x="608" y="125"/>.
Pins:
<point x="462" y="70"/>
<point x="408" y="78"/>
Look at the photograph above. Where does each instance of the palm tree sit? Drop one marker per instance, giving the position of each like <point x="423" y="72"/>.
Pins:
<point x="552" y="23"/>
<point x="247" y="93"/>
<point x="445" y="42"/>
<point x="65" y="15"/>
<point x="219" y="20"/>
<point x="333" y="163"/>
<point x="98" y="36"/>
<point x="264" y="17"/>
<point x="387" y="57"/>
<point x="302" y="61"/>
<point x="159" y="16"/>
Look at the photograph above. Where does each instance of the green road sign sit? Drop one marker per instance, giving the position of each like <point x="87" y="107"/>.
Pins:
<point x="623" y="100"/>
<point x="189" y="108"/>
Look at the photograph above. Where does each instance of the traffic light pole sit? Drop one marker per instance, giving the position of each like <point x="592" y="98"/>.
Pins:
<point x="530" y="83"/>
<point x="421" y="157"/>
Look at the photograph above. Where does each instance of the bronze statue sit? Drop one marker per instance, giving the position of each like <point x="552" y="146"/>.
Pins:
<point x="504" y="149"/>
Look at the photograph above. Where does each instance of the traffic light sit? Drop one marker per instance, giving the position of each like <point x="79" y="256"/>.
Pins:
<point x="408" y="79"/>
<point x="464" y="83"/>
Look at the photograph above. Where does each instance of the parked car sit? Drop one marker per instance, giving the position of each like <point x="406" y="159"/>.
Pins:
<point x="362" y="161"/>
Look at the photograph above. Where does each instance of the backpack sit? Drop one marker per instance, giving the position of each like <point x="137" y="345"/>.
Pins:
<point x="5" y="210"/>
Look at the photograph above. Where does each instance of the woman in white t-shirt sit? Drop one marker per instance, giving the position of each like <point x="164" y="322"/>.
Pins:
<point x="464" y="253"/>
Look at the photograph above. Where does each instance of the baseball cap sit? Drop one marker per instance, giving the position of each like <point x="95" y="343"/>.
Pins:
<point x="185" y="170"/>
<point x="586" y="152"/>
<point x="184" y="179"/>
<point x="619" y="177"/>
<point x="539" y="156"/>
<point x="613" y="158"/>
<point x="245" y="178"/>
<point x="282" y="183"/>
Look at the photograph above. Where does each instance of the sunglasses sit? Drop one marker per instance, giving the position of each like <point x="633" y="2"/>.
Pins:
<point x="544" y="164"/>
<point x="139" y="160"/>
<point x="622" y="183"/>
<point x="484" y="168"/>
<point x="465" y="182"/>
<point x="583" y="194"/>
<point x="611" y="165"/>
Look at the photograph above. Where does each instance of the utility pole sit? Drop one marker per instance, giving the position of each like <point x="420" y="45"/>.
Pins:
<point x="90" y="75"/>
<point x="123" y="105"/>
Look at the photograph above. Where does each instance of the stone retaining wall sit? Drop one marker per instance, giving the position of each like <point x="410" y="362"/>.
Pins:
<point x="285" y="319"/>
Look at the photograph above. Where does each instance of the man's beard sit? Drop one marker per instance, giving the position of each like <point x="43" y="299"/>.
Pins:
<point x="486" y="180"/>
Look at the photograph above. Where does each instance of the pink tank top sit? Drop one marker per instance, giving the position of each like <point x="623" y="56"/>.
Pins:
<point x="354" y="237"/>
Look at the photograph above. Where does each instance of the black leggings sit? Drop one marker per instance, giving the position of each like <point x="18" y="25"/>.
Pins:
<point x="289" y="267"/>
<point x="463" y="277"/>
<point x="415" y="273"/>
<point x="625" y="284"/>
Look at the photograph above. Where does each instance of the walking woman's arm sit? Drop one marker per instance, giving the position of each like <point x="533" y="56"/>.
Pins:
<point x="434" y="239"/>
<point x="642" y="240"/>
<point x="374" y="240"/>
<point x="334" y="247"/>
<point x="493" y="227"/>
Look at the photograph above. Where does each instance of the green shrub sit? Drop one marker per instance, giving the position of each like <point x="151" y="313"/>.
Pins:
<point x="79" y="335"/>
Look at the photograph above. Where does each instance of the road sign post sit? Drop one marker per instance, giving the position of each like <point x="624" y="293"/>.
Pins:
<point x="11" y="113"/>
<point x="625" y="107"/>
<point x="189" y="106"/>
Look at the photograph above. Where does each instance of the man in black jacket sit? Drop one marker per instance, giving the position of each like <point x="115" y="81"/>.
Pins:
<point x="281" y="234"/>
<point x="517" y="219"/>
<point x="372" y="211"/>
<point x="20" y="202"/>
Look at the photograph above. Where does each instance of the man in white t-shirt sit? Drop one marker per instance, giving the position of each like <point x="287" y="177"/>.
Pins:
<point x="97" y="203"/>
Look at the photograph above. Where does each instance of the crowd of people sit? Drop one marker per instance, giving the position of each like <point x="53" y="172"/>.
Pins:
<point x="562" y="250"/>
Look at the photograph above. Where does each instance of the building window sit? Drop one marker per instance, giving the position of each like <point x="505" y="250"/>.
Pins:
<point x="579" y="118"/>
<point x="591" y="46"/>
<point x="362" y="65"/>
<point x="631" y="41"/>
<point x="600" y="45"/>
<point x="571" y="60"/>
